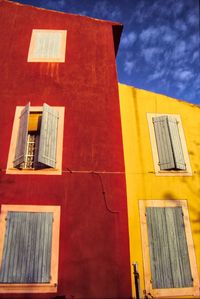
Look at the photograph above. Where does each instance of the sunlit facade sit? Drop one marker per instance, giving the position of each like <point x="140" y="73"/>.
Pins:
<point x="161" y="152"/>
<point x="98" y="180"/>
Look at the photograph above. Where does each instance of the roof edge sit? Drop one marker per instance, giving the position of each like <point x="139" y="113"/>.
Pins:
<point x="160" y="94"/>
<point x="61" y="12"/>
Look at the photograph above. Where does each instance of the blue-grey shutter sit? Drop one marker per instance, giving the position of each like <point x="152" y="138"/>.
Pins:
<point x="27" y="248"/>
<point x="20" y="151"/>
<point x="163" y="142"/>
<point x="168" y="143"/>
<point x="176" y="143"/>
<point x="169" y="259"/>
<point x="48" y="136"/>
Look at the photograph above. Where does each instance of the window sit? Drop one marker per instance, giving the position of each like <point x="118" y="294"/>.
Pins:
<point x="168" y="145"/>
<point x="168" y="252"/>
<point x="36" y="143"/>
<point x="29" y="242"/>
<point x="47" y="46"/>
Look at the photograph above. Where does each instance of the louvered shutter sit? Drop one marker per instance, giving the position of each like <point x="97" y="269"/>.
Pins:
<point x="176" y="143"/>
<point x="169" y="259"/>
<point x="27" y="248"/>
<point x="168" y="143"/>
<point x="20" y="151"/>
<point x="163" y="142"/>
<point x="48" y="136"/>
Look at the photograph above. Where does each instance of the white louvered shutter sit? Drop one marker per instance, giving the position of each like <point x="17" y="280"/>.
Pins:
<point x="22" y="137"/>
<point x="176" y="143"/>
<point x="48" y="136"/>
<point x="163" y="142"/>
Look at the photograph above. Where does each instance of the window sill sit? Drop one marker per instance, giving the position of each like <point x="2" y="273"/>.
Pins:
<point x="171" y="293"/>
<point x="28" y="288"/>
<point x="49" y="171"/>
<point x="173" y="173"/>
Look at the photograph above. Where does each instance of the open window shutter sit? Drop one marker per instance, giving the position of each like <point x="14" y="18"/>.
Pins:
<point x="27" y="248"/>
<point x="176" y="143"/>
<point x="163" y="142"/>
<point x="169" y="259"/>
<point x="48" y="136"/>
<point x="22" y="137"/>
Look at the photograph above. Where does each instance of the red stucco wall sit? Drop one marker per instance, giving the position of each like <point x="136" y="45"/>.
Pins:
<point x="94" y="255"/>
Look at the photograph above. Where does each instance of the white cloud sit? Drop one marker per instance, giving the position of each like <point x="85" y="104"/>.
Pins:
<point x="105" y="10"/>
<point x="158" y="10"/>
<point x="167" y="34"/>
<point x="177" y="7"/>
<point x="128" y="39"/>
<point x="193" y="41"/>
<point x="129" y="66"/>
<point x="183" y="74"/>
<point x="181" y="86"/>
<point x="192" y="18"/>
<point x="151" y="54"/>
<point x="139" y="13"/>
<point x="179" y="50"/>
<point x="196" y="84"/>
<point x="149" y="34"/>
<point x="157" y="75"/>
<point x="57" y="5"/>
<point x="195" y="56"/>
<point x="162" y="33"/>
<point x="180" y="25"/>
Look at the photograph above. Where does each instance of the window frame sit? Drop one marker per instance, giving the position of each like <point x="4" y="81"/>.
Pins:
<point x="36" y="287"/>
<point x="169" y="292"/>
<point x="10" y="169"/>
<point x="62" y="47"/>
<point x="174" y="172"/>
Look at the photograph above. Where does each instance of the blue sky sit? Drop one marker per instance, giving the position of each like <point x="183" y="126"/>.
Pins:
<point x="160" y="45"/>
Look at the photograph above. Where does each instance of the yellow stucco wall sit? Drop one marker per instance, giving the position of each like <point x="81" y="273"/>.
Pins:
<point x="141" y="181"/>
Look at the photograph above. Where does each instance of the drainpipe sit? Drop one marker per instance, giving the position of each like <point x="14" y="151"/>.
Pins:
<point x="136" y="280"/>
